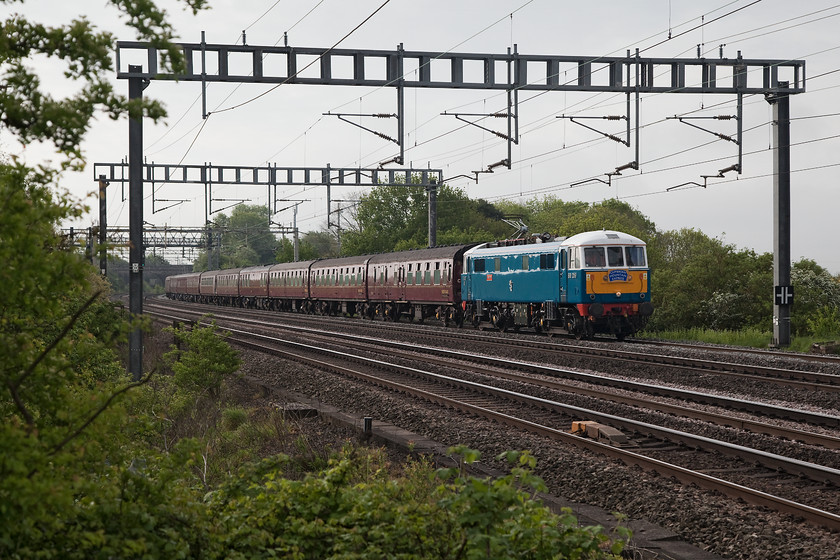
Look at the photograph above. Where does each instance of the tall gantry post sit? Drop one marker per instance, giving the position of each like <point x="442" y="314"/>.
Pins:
<point x="783" y="291"/>
<point x="135" y="221"/>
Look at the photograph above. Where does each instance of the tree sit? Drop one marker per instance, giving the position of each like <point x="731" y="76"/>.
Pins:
<point x="66" y="489"/>
<point x="551" y="214"/>
<point x="702" y="282"/>
<point x="32" y="114"/>
<point x="609" y="214"/>
<point x="242" y="239"/>
<point x="817" y="299"/>
<point x="311" y="245"/>
<point x="396" y="218"/>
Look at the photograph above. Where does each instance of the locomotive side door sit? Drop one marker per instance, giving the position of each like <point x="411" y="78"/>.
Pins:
<point x="562" y="267"/>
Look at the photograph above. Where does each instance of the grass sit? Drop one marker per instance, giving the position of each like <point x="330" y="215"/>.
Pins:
<point x="751" y="338"/>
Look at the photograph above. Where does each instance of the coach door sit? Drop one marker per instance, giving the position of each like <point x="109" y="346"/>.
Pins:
<point x="400" y="282"/>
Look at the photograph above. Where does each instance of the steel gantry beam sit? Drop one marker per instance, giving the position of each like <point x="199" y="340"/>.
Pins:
<point x="168" y="237"/>
<point x="283" y="65"/>
<point x="270" y="176"/>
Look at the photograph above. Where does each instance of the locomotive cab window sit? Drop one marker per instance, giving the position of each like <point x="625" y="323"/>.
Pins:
<point x="478" y="265"/>
<point x="615" y="256"/>
<point x="594" y="256"/>
<point x="635" y="256"/>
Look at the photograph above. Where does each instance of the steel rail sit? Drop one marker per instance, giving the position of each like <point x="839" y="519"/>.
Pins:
<point x="821" y="358"/>
<point x="790" y="377"/>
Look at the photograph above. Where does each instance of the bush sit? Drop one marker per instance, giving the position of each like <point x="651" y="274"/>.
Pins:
<point x="353" y="509"/>
<point x="206" y="360"/>
<point x="825" y="324"/>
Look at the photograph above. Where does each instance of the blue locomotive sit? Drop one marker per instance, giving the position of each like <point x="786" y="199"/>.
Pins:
<point x="593" y="282"/>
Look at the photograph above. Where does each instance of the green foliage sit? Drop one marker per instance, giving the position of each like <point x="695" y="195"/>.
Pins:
<point x="609" y="214"/>
<point x="202" y="359"/>
<point x="396" y="218"/>
<point x="825" y="323"/>
<point x="700" y="282"/>
<point x="55" y="327"/>
<point x="312" y="245"/>
<point x="29" y="111"/>
<point x="66" y="486"/>
<point x="245" y="240"/>
<point x="817" y="298"/>
<point x="353" y="509"/>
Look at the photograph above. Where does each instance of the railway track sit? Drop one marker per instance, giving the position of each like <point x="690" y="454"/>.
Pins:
<point x="814" y="358"/>
<point x="492" y="341"/>
<point x="481" y="362"/>
<point x="544" y="416"/>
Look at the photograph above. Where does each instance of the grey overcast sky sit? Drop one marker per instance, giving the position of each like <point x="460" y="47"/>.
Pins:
<point x="286" y="126"/>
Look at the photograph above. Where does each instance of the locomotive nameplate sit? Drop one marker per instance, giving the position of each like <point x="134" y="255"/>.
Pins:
<point x="618" y="276"/>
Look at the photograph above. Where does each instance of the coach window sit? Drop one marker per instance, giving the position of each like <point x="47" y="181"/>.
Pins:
<point x="525" y="262"/>
<point x="437" y="273"/>
<point x="498" y="264"/>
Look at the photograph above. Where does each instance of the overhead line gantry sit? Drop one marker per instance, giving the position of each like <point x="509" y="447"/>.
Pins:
<point x="512" y="72"/>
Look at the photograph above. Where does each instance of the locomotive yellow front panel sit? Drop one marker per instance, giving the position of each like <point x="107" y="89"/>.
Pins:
<point x="616" y="280"/>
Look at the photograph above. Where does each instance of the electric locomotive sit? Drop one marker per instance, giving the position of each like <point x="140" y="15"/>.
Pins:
<point x="592" y="282"/>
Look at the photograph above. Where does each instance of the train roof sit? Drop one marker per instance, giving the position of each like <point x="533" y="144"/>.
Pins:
<point x="221" y="272"/>
<point x="185" y="275"/>
<point x="333" y="262"/>
<point x="252" y="269"/>
<point x="589" y="238"/>
<point x="298" y="265"/>
<point x="431" y="253"/>
<point x="602" y="237"/>
<point x="492" y="248"/>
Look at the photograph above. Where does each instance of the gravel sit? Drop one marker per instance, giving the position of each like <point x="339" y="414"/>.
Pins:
<point x="707" y="521"/>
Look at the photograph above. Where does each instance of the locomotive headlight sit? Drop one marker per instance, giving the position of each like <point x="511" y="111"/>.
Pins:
<point x="606" y="278"/>
<point x="618" y="294"/>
